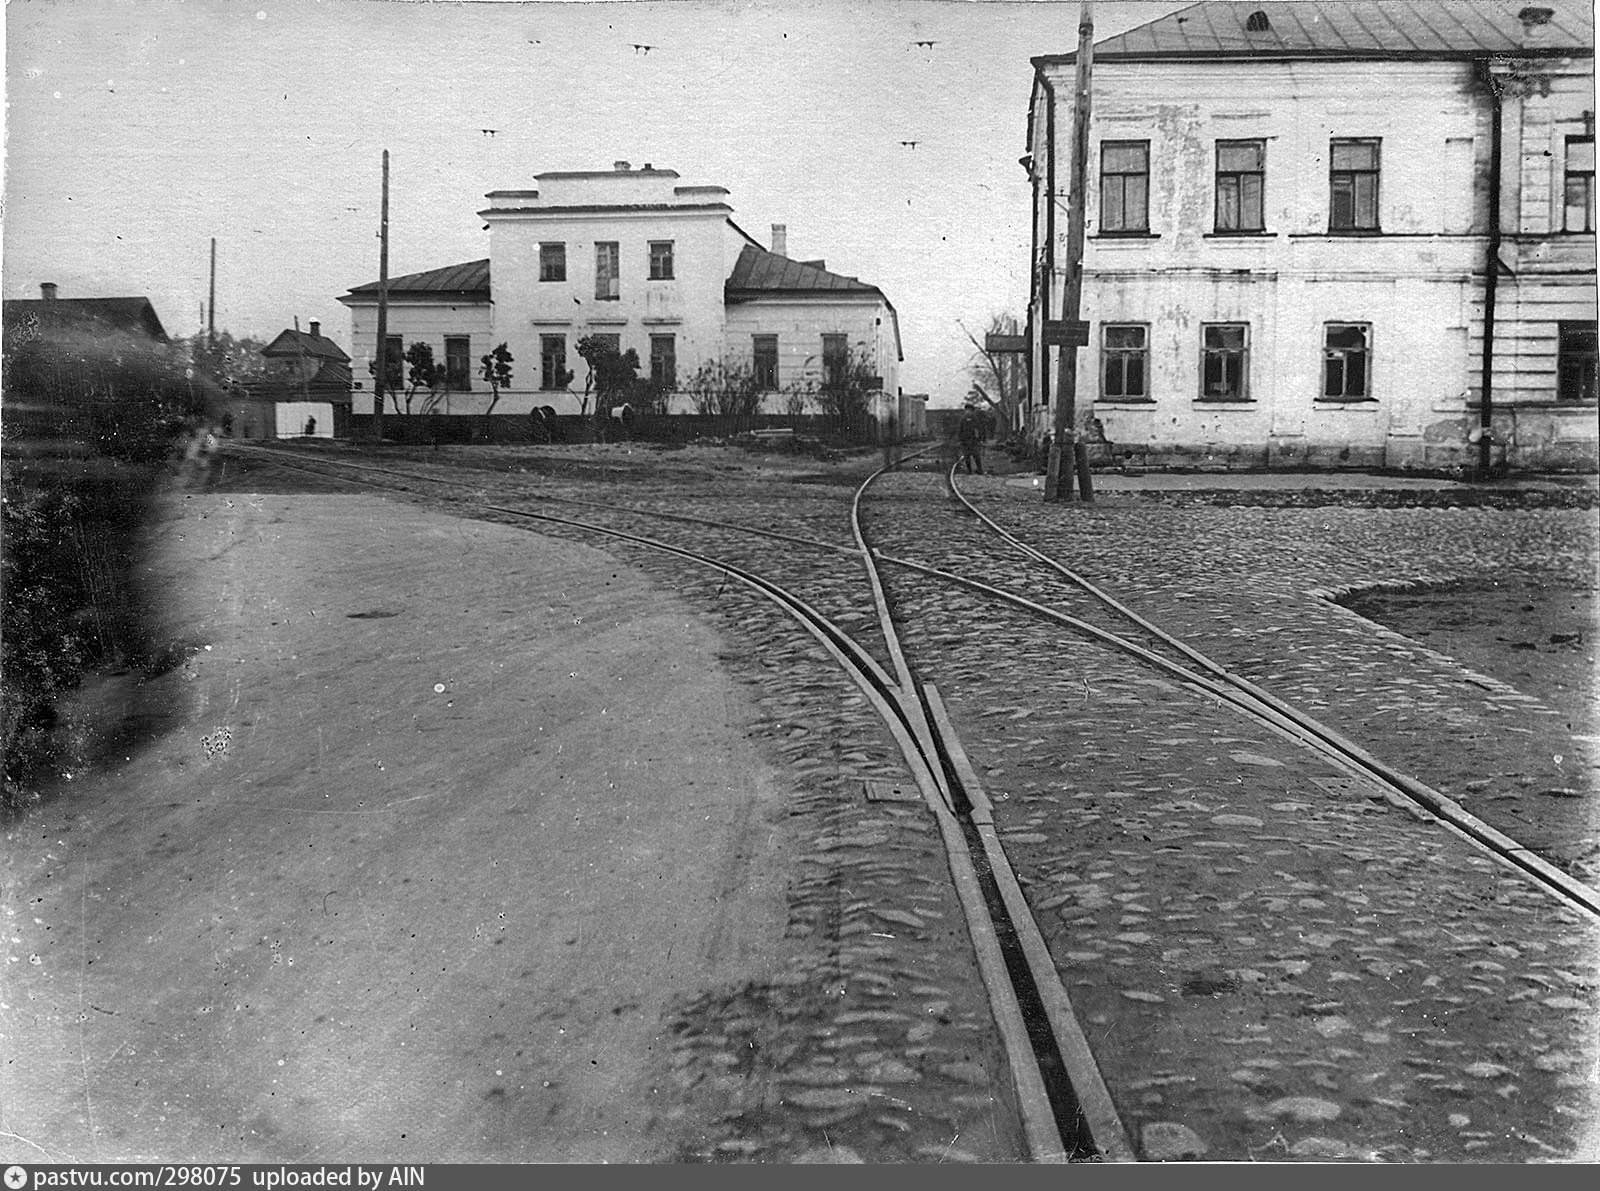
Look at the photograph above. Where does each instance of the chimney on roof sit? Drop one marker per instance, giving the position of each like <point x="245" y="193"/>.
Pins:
<point x="780" y="239"/>
<point x="621" y="167"/>
<point x="47" y="290"/>
<point x="1535" y="24"/>
<point x="316" y="329"/>
<point x="1257" y="22"/>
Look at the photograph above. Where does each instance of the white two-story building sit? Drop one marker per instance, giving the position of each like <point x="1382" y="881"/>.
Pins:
<point x="1290" y="212"/>
<point x="630" y="254"/>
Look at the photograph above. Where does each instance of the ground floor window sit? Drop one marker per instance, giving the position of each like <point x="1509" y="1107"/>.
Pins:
<point x="552" y="361"/>
<point x="1345" y="364"/>
<point x="835" y="359"/>
<point x="1576" y="375"/>
<point x="458" y="362"/>
<point x="766" y="361"/>
<point x="1225" y="361"/>
<point x="664" y="361"/>
<point x="394" y="355"/>
<point x="1124" y="353"/>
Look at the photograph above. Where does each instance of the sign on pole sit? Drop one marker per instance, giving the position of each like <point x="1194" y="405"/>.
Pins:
<point x="1059" y="332"/>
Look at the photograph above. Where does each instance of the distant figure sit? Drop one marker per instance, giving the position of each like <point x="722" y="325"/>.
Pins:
<point x="622" y="422"/>
<point x="311" y="427"/>
<point x="970" y="432"/>
<point x="543" y="418"/>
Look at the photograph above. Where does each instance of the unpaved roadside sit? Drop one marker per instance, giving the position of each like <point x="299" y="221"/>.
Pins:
<point x="446" y="816"/>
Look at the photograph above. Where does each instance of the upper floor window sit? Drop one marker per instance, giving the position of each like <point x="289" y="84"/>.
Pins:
<point x="1580" y="184"/>
<point x="552" y="262"/>
<point x="606" y="283"/>
<point x="1576" y="369"/>
<point x="1225" y="361"/>
<point x="1125" y="355"/>
<point x="835" y="359"/>
<point x="1353" y="184"/>
<point x="458" y="362"/>
<point x="1124" y="186"/>
<point x="766" y="361"/>
<point x="1241" y="177"/>
<point x="660" y="260"/>
<point x="1345" y="361"/>
<point x="664" y="361"/>
<point x="552" y="361"/>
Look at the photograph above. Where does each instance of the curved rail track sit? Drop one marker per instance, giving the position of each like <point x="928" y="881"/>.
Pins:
<point x="1068" y="1111"/>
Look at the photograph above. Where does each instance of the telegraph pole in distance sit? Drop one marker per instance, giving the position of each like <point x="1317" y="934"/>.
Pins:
<point x="211" y="317"/>
<point x="382" y="352"/>
<point x="1063" y="447"/>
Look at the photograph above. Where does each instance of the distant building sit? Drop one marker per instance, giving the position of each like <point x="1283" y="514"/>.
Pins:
<point x="304" y="391"/>
<point x="627" y="253"/>
<point x="1288" y="223"/>
<point x="51" y="317"/>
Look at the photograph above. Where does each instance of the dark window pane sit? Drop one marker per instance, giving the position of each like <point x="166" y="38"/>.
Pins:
<point x="1355" y="379"/>
<point x="1347" y="337"/>
<point x="1124" y="336"/>
<point x="1111" y="191"/>
<point x="1225" y="337"/>
<point x="1239" y="157"/>
<point x="1250" y="214"/>
<point x="1137" y="214"/>
<point x="1366" y="196"/>
<point x="1135" y="380"/>
<point x="1349" y="155"/>
<point x="1124" y="159"/>
<point x="1228" y="203"/>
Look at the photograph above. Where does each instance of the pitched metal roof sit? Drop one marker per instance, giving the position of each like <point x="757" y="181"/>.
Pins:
<point x="1353" y="29"/>
<point x="134" y="315"/>
<point x="295" y="343"/>
<point x="468" y="280"/>
<point x="760" y="271"/>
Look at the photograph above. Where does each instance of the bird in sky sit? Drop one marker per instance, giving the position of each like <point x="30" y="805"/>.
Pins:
<point x="911" y="144"/>
<point x="927" y="45"/>
<point x="488" y="131"/>
<point x="641" y="49"/>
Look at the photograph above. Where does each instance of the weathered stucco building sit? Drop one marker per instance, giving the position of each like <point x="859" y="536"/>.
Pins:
<point x="1290" y="210"/>
<point x="627" y="253"/>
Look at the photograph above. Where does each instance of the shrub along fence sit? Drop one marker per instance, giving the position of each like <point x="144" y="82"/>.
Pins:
<point x="448" y="429"/>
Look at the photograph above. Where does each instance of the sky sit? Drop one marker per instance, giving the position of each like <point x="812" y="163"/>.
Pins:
<point x="138" y="130"/>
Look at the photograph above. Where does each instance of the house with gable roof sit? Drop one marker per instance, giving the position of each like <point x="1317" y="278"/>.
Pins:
<point x="1323" y="232"/>
<point x="628" y="253"/>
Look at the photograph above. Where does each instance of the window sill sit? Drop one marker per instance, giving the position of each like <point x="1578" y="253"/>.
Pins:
<point x="1341" y="401"/>
<point x="1124" y="236"/>
<point x="1345" y="233"/>
<point x="1257" y="234"/>
<point x="1224" y="401"/>
<point x="1125" y="401"/>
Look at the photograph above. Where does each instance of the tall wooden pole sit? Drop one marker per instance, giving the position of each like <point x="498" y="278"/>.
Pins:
<point x="1059" y="475"/>
<point x="381" y="355"/>
<point x="211" y="317"/>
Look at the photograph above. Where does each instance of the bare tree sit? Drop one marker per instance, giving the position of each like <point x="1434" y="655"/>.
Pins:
<point x="725" y="388"/>
<point x="999" y="378"/>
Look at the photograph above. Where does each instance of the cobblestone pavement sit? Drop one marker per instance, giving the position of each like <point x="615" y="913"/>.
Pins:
<point x="1271" y="960"/>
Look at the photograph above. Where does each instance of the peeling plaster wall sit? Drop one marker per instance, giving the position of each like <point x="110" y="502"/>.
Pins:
<point x="1419" y="285"/>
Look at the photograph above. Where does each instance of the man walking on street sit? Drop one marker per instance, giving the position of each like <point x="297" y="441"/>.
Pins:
<point x="970" y="432"/>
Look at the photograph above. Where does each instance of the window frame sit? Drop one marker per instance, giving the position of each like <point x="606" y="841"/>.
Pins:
<point x="1585" y="359"/>
<point x="394" y="364"/>
<point x="614" y="259"/>
<point x="1124" y="354"/>
<point x="668" y="382"/>
<point x="662" y="265"/>
<point x="1106" y="176"/>
<point x="835" y="364"/>
<point x="765" y="380"/>
<point x="1568" y="176"/>
<point x="1336" y="174"/>
<point x="1243" y="355"/>
<point x="1328" y="357"/>
<point x="1238" y="177"/>
<point x="463" y="382"/>
<point x="546" y="372"/>
<point x="552" y="260"/>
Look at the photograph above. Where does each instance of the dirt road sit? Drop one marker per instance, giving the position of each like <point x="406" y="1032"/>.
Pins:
<point x="443" y="816"/>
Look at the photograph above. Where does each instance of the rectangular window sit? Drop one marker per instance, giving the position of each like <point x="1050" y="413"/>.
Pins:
<point x="552" y="262"/>
<point x="1124" y="355"/>
<point x="1241" y="179"/>
<point x="835" y="359"/>
<point x="664" y="361"/>
<point x="1225" y="361"/>
<point x="606" y="284"/>
<point x="394" y="364"/>
<point x="1353" y="185"/>
<point x="1346" y="357"/>
<point x="1124" y="186"/>
<point x="1576" y="376"/>
<point x="766" y="361"/>
<point x="660" y="260"/>
<point x="1580" y="184"/>
<point x="458" y="362"/>
<point x="552" y="361"/>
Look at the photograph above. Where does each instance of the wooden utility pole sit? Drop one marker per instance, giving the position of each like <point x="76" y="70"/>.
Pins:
<point x="381" y="355"/>
<point x="1063" y="444"/>
<point x="211" y="317"/>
